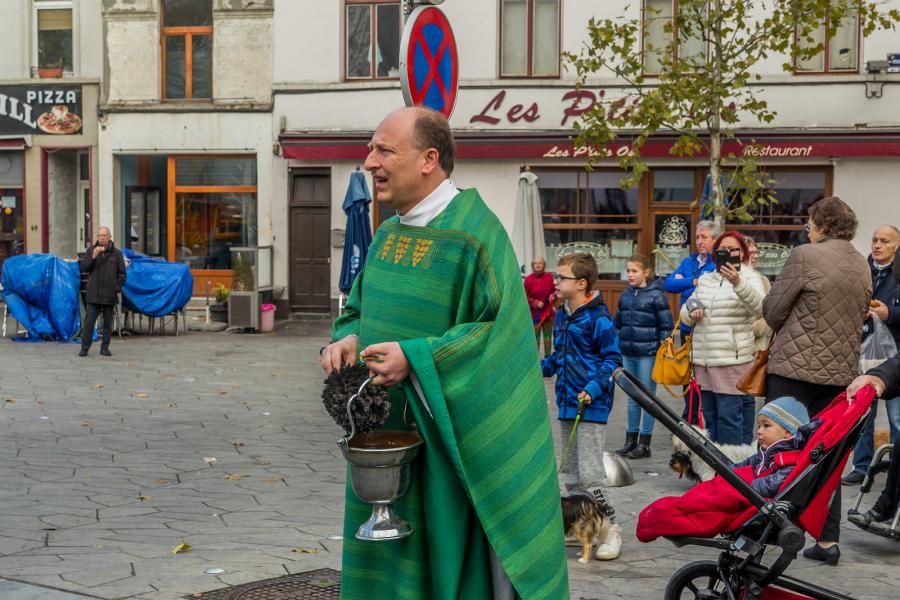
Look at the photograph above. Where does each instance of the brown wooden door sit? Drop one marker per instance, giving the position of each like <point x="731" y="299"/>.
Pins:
<point x="310" y="243"/>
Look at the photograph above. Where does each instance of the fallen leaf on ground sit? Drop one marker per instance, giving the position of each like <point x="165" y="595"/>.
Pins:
<point x="210" y="460"/>
<point x="181" y="548"/>
<point x="98" y="386"/>
<point x="234" y="477"/>
<point x="162" y="482"/>
<point x="223" y="392"/>
<point x="141" y="395"/>
<point x="170" y="405"/>
<point x="305" y="551"/>
<point x="11" y="401"/>
<point x="272" y="480"/>
<point x="85" y="423"/>
<point x="144" y="498"/>
<point x="237" y="444"/>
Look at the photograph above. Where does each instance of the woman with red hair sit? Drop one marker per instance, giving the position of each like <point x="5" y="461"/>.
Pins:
<point x="722" y="311"/>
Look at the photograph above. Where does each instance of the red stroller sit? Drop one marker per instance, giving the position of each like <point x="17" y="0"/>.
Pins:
<point x="757" y="523"/>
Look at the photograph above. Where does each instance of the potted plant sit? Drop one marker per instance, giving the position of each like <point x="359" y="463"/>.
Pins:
<point x="51" y="70"/>
<point x="218" y="311"/>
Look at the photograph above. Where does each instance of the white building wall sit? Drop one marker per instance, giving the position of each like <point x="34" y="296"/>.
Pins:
<point x="872" y="188"/>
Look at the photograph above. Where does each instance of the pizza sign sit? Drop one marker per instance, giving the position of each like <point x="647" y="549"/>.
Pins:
<point x="40" y="109"/>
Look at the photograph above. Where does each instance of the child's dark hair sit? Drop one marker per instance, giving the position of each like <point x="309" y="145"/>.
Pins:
<point x="583" y="266"/>
<point x="643" y="261"/>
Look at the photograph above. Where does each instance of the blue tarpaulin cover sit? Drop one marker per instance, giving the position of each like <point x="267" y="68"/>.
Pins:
<point x="155" y="287"/>
<point x="41" y="291"/>
<point x="359" y="232"/>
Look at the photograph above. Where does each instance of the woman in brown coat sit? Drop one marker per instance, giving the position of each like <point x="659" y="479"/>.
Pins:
<point x="816" y="308"/>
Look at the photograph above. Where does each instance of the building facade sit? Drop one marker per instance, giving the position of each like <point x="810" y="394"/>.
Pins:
<point x="837" y="132"/>
<point x="50" y="74"/>
<point x="185" y="130"/>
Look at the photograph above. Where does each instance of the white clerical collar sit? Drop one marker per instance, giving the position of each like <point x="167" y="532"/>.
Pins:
<point x="431" y="205"/>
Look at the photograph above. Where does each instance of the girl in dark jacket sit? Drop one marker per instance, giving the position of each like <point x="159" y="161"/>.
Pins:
<point x="643" y="321"/>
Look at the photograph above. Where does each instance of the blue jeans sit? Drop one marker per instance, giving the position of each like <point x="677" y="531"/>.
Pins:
<point x="642" y="368"/>
<point x="749" y="407"/>
<point x="865" y="447"/>
<point x="723" y="416"/>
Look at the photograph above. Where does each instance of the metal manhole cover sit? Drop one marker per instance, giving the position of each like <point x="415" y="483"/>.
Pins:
<point x="321" y="584"/>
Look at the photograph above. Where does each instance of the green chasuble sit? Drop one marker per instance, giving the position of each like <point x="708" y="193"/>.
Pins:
<point x="452" y="295"/>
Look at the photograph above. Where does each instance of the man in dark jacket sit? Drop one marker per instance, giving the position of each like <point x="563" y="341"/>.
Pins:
<point x="886" y="307"/>
<point x="106" y="266"/>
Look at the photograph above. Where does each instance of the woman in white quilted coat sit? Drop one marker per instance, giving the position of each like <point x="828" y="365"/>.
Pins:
<point x="722" y="310"/>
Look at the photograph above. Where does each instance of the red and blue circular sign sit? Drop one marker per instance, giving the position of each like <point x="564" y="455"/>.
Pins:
<point x="429" y="65"/>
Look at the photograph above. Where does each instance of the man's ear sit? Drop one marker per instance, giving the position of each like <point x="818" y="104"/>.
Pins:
<point x="431" y="161"/>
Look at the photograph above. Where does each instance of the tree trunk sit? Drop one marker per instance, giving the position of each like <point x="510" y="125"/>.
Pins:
<point x="715" y="123"/>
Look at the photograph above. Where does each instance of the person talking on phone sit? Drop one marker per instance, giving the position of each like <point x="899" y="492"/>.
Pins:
<point x="106" y="266"/>
<point x="722" y="310"/>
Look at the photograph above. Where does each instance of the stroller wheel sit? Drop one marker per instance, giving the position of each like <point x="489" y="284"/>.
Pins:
<point x="696" y="581"/>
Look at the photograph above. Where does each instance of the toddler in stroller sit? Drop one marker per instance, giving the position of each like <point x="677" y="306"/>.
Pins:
<point x="728" y="512"/>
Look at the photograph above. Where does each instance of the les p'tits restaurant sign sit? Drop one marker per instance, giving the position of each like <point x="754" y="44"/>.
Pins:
<point x="40" y="109"/>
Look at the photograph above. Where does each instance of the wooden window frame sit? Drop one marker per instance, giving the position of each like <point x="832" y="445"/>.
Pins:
<point x="675" y="8"/>
<point x="826" y="70"/>
<point x="373" y="33"/>
<point x="188" y="34"/>
<point x="173" y="189"/>
<point x="529" y="49"/>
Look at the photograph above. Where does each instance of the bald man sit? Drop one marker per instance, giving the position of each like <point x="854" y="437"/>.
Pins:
<point x="106" y="266"/>
<point x="886" y="307"/>
<point x="440" y="303"/>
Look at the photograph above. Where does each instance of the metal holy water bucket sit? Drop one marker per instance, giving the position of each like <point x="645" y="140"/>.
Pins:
<point x="380" y="474"/>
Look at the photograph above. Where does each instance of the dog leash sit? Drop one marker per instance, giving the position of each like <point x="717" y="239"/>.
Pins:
<point x="572" y="435"/>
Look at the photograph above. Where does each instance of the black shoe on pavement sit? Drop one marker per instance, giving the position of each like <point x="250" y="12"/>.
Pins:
<point x="105" y="352"/>
<point x="83" y="352"/>
<point x="852" y="478"/>
<point x="865" y="520"/>
<point x="642" y="450"/>
<point x="630" y="443"/>
<point x="830" y="556"/>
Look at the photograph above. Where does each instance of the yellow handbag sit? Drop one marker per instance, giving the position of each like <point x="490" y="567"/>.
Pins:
<point x="673" y="365"/>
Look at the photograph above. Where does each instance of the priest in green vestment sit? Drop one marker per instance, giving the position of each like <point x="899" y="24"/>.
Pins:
<point x="441" y="302"/>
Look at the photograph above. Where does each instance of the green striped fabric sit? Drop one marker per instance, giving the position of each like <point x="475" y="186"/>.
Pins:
<point x="452" y="295"/>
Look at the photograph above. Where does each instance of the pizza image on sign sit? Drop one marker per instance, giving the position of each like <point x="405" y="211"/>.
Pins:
<point x="59" y="121"/>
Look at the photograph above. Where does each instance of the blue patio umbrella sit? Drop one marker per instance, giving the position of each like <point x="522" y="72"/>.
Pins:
<point x="358" y="235"/>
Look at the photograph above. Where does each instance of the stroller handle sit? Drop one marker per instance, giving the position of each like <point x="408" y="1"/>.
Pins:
<point x="698" y="444"/>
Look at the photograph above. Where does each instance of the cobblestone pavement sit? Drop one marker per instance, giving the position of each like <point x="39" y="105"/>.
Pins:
<point x="219" y="441"/>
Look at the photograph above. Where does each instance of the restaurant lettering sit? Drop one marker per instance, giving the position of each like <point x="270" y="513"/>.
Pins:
<point x="40" y="109"/>
<point x="575" y="103"/>
<point x="771" y="151"/>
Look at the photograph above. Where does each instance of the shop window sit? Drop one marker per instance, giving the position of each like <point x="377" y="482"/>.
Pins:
<point x="589" y="212"/>
<point x="674" y="186"/>
<point x="12" y="211"/>
<point x="187" y="30"/>
<point x="841" y="50"/>
<point x="53" y="52"/>
<point x="657" y="42"/>
<point x="778" y="227"/>
<point x="372" y="32"/>
<point x="529" y="38"/>
<point x="214" y="210"/>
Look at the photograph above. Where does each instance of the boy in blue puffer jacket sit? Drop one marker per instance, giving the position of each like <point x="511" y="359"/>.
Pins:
<point x="644" y="320"/>
<point x="585" y="354"/>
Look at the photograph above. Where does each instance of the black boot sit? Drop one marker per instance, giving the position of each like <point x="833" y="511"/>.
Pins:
<point x="630" y="443"/>
<point x="642" y="450"/>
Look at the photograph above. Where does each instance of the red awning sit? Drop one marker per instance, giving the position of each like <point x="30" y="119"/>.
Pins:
<point x="12" y="144"/>
<point x="780" y="145"/>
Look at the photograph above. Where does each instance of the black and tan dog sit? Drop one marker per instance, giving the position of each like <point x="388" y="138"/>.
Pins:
<point x="689" y="465"/>
<point x="587" y="520"/>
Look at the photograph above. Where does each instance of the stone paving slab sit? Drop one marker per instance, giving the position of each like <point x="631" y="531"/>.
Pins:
<point x="105" y="469"/>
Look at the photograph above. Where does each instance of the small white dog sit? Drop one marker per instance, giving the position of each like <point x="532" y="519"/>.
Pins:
<point x="687" y="464"/>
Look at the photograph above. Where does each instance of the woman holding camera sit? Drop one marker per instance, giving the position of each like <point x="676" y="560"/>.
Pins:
<point x="722" y="310"/>
<point x="816" y="308"/>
